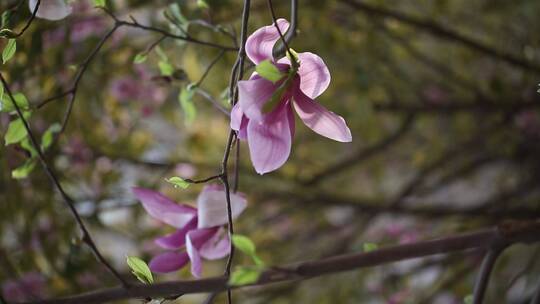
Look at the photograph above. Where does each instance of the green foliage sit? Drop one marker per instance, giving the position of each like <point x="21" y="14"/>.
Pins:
<point x="23" y="171"/>
<point x="245" y="275"/>
<point x="244" y="244"/>
<point x="178" y="182"/>
<point x="367" y="247"/>
<point x="468" y="299"/>
<point x="16" y="132"/>
<point x="269" y="71"/>
<point x="9" y="50"/>
<point x="6" y="105"/>
<point x="186" y="102"/>
<point x="202" y="4"/>
<point x="101" y="3"/>
<point x="48" y="136"/>
<point x="140" y="58"/>
<point x="140" y="269"/>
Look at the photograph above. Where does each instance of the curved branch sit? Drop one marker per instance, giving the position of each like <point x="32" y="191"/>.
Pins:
<point x="482" y="280"/>
<point x="509" y="233"/>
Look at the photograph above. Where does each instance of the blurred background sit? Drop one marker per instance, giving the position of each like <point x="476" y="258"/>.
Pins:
<point x="441" y="98"/>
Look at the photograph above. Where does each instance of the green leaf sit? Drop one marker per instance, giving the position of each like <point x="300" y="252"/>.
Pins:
<point x="6" y="105"/>
<point x="15" y="133"/>
<point x="101" y="3"/>
<point x="186" y="102"/>
<point x="140" y="58"/>
<point x="178" y="182"/>
<point x="7" y="33"/>
<point x="47" y="138"/>
<point x="245" y="275"/>
<point x="268" y="70"/>
<point x="140" y="269"/>
<point x="468" y="299"/>
<point x="27" y="145"/>
<point x="9" y="50"/>
<point x="367" y="247"/>
<point x="23" y="171"/>
<point x="244" y="244"/>
<point x="165" y="68"/>
<point x="202" y="4"/>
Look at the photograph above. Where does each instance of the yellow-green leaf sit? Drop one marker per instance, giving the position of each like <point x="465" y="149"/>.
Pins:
<point x="9" y="50"/>
<point x="245" y="275"/>
<point x="178" y="182"/>
<point x="140" y="269"/>
<point x="269" y="71"/>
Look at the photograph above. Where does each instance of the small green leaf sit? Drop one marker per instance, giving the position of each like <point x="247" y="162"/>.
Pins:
<point x="178" y="182"/>
<point x="9" y="50"/>
<point x="47" y="138"/>
<point x="367" y="247"/>
<point x="165" y="68"/>
<point x="468" y="299"/>
<point x="186" y="102"/>
<point x="245" y="275"/>
<point x="140" y="58"/>
<point x="268" y="70"/>
<point x="6" y="105"/>
<point x="244" y="244"/>
<point x="7" y="33"/>
<point x="27" y="145"/>
<point x="23" y="171"/>
<point x="202" y="4"/>
<point x="101" y="3"/>
<point x="16" y="132"/>
<point x="140" y="269"/>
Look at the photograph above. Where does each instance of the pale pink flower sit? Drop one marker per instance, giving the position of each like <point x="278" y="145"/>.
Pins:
<point x="269" y="135"/>
<point x="199" y="231"/>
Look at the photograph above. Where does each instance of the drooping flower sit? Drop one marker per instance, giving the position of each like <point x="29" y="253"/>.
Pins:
<point x="199" y="233"/>
<point x="51" y="9"/>
<point x="269" y="135"/>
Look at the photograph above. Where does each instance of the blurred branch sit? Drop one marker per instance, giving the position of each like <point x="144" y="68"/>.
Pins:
<point x="442" y="32"/>
<point x="86" y="237"/>
<point x="486" y="268"/>
<point x="509" y="233"/>
<point x="291" y="32"/>
<point x="362" y="154"/>
<point x="28" y="22"/>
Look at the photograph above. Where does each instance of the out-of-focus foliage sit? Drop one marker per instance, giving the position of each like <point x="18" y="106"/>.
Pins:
<point x="436" y="124"/>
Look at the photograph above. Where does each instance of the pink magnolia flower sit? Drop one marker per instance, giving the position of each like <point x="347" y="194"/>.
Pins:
<point x="51" y="9"/>
<point x="269" y="135"/>
<point x="199" y="230"/>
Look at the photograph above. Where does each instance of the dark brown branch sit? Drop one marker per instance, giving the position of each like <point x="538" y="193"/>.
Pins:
<point x="486" y="268"/>
<point x="28" y="22"/>
<point x="86" y="237"/>
<point x="442" y="32"/>
<point x="291" y="32"/>
<point x="509" y="233"/>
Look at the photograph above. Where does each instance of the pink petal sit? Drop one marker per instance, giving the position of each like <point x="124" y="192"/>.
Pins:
<point x="164" y="209"/>
<point x="168" y="262"/>
<point x="320" y="120"/>
<point x="217" y="247"/>
<point x="176" y="239"/>
<point x="270" y="140"/>
<point x="212" y="207"/>
<point x="253" y="94"/>
<point x="194" y="241"/>
<point x="314" y="75"/>
<point x="51" y="9"/>
<point x="259" y="45"/>
<point x="239" y="121"/>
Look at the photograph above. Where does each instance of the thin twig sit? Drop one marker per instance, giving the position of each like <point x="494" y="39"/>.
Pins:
<point x="210" y="66"/>
<point x="28" y="22"/>
<point x="486" y="268"/>
<point x="86" y="238"/>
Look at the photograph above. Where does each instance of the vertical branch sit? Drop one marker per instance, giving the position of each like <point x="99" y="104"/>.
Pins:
<point x="486" y="268"/>
<point x="86" y="238"/>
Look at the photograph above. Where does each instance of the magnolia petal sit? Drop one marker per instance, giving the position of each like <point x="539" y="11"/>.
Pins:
<point x="164" y="209"/>
<point x="176" y="239"/>
<point x="260" y="44"/>
<point x="270" y="140"/>
<point x="212" y="207"/>
<point x="194" y="241"/>
<point x="320" y="120"/>
<point x="314" y="75"/>
<point x="239" y="121"/>
<point x="253" y="94"/>
<point x="217" y="247"/>
<point x="51" y="9"/>
<point x="168" y="262"/>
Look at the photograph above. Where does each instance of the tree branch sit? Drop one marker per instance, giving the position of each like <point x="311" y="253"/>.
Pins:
<point x="486" y="268"/>
<point x="509" y="233"/>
